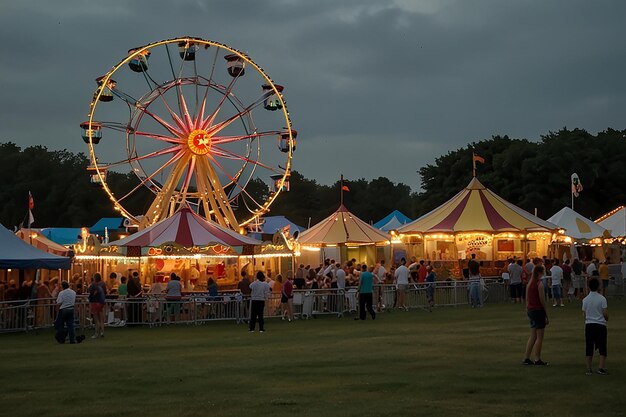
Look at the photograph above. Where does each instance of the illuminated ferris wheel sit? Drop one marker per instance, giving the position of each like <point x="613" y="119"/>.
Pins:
<point x="197" y="122"/>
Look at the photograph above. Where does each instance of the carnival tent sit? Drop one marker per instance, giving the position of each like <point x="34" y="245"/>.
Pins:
<point x="36" y="239"/>
<point x="185" y="228"/>
<point x="576" y="225"/>
<point x="477" y="209"/>
<point x="15" y="253"/>
<point x="342" y="227"/>
<point x="392" y="221"/>
<point x="614" y="222"/>
<point x="110" y="224"/>
<point x="62" y="235"/>
<point x="272" y="224"/>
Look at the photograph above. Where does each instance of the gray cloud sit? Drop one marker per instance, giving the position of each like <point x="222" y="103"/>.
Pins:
<point x="374" y="88"/>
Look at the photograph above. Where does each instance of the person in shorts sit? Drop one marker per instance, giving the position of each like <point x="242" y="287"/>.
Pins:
<point x="595" y="310"/>
<point x="537" y="315"/>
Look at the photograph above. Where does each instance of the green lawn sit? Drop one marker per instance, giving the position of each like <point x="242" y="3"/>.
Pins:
<point x="454" y="361"/>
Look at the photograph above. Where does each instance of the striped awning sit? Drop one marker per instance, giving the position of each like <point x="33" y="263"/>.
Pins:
<point x="477" y="209"/>
<point x="342" y="227"/>
<point x="185" y="228"/>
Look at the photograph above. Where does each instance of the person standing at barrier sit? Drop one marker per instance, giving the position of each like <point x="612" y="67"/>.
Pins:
<point x="556" y="279"/>
<point x="96" y="304"/>
<point x="259" y="291"/>
<point x="402" y="282"/>
<point x="476" y="298"/>
<point x="366" y="289"/>
<point x="64" y="323"/>
<point x="286" y="299"/>
<point x="603" y="272"/>
<point x="299" y="281"/>
<point x="577" y="278"/>
<point x="134" y="296"/>
<point x="537" y="315"/>
<point x="515" y="280"/>
<point x="431" y="278"/>
<point x="173" y="297"/>
<point x="380" y="274"/>
<point x="595" y="311"/>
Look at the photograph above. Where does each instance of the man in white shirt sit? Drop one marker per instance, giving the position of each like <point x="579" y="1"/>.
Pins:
<point x="595" y="310"/>
<point x="259" y="291"/>
<point x="556" y="278"/>
<point x="64" y="323"/>
<point x="402" y="283"/>
<point x="340" y="275"/>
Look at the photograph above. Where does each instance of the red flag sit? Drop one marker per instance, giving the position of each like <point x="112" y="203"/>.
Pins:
<point x="345" y="188"/>
<point x="31" y="202"/>
<point x="479" y="159"/>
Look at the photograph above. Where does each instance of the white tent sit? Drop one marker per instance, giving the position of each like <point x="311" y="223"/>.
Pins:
<point x="576" y="226"/>
<point x="614" y="222"/>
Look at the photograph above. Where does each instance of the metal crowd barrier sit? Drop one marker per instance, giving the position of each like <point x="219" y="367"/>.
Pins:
<point x="199" y="308"/>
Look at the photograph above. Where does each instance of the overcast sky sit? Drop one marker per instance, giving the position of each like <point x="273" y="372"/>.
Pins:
<point x="374" y="87"/>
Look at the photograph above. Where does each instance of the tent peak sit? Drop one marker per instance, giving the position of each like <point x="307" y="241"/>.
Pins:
<point x="475" y="184"/>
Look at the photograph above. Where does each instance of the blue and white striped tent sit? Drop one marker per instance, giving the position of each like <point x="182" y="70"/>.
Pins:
<point x="392" y="221"/>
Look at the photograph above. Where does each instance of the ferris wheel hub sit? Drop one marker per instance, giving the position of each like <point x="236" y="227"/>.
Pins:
<point x="199" y="142"/>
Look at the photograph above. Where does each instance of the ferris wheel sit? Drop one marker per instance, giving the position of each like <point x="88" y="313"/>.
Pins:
<point x="198" y="123"/>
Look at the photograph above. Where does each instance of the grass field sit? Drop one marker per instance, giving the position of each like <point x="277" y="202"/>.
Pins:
<point x="454" y="361"/>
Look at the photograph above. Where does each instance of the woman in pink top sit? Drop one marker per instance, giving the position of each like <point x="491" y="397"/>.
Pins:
<point x="536" y="308"/>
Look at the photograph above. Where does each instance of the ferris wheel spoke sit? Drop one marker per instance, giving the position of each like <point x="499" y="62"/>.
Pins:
<point x="185" y="112"/>
<point x="209" y="120"/>
<point x="220" y="126"/>
<point x="161" y="152"/>
<point x="188" y="176"/>
<point x="162" y="138"/>
<point x="146" y="180"/>
<point x="233" y="180"/>
<point x="165" y="124"/>
<point x="220" y="140"/>
<point x="130" y="100"/>
<point x="232" y="155"/>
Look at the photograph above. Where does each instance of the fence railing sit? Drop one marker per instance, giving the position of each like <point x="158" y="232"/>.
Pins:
<point x="155" y="310"/>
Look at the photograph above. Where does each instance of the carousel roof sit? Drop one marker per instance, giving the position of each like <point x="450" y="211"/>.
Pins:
<point x="185" y="228"/>
<point x="576" y="225"/>
<point x="392" y="221"/>
<point x="614" y="222"/>
<point x="477" y="209"/>
<point x="342" y="227"/>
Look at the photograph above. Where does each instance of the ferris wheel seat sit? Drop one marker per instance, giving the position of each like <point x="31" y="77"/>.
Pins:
<point x="234" y="65"/>
<point x="95" y="133"/>
<point x="138" y="65"/>
<point x="187" y="51"/>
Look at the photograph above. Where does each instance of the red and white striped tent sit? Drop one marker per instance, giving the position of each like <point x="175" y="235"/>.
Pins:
<point x="187" y="229"/>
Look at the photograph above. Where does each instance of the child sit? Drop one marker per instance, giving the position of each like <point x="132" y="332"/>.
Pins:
<point x="596" y="315"/>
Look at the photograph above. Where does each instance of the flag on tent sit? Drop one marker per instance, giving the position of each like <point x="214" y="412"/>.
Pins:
<point x="577" y="187"/>
<point x="476" y="158"/>
<point x="345" y="188"/>
<point x="31" y="206"/>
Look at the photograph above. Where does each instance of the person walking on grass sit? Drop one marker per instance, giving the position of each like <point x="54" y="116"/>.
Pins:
<point x="366" y="289"/>
<point x="259" y="291"/>
<point x="537" y="315"/>
<point x="595" y="311"/>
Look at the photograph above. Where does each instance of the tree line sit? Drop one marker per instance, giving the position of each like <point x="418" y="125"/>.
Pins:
<point x="531" y="175"/>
